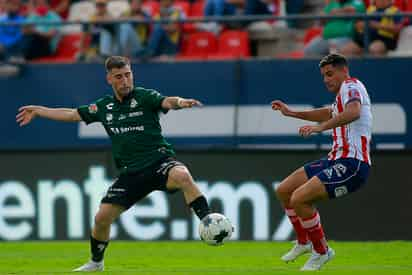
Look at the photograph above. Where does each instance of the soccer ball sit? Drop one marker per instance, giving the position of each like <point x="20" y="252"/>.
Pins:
<point x="215" y="228"/>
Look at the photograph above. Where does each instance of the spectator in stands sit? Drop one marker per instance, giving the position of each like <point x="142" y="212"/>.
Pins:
<point x="26" y="7"/>
<point x="217" y="8"/>
<point x="294" y="7"/>
<point x="164" y="39"/>
<point x="258" y="7"/>
<point x="10" y="36"/>
<point x="232" y="7"/>
<point x="40" y="40"/>
<point x="2" y="7"/>
<point x="61" y="7"/>
<point x="336" y="32"/>
<point x="132" y="36"/>
<point x="383" y="33"/>
<point x="235" y="7"/>
<point x="103" y="36"/>
<point x="221" y="7"/>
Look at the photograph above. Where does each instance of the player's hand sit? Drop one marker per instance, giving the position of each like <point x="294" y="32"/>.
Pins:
<point x="188" y="103"/>
<point x="308" y="130"/>
<point x="278" y="105"/>
<point x="26" y="114"/>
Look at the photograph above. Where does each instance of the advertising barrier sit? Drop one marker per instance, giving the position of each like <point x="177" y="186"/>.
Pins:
<point x="53" y="195"/>
<point x="236" y="97"/>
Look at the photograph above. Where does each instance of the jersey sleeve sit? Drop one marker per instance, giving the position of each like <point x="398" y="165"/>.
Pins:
<point x="89" y="113"/>
<point x="153" y="99"/>
<point x="351" y="92"/>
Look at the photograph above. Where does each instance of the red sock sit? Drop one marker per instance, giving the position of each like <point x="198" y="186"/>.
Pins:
<point x="315" y="232"/>
<point x="301" y="233"/>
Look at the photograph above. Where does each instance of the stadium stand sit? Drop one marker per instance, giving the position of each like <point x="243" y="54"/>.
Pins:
<point x="199" y="45"/>
<point x="118" y="7"/>
<point x="151" y="7"/>
<point x="196" y="8"/>
<point x="79" y="11"/>
<point x="404" y="43"/>
<point x="82" y="10"/>
<point x="67" y="49"/>
<point x="232" y="44"/>
<point x="275" y="39"/>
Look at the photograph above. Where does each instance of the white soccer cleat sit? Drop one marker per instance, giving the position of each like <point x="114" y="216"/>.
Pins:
<point x="316" y="261"/>
<point x="90" y="267"/>
<point x="296" y="251"/>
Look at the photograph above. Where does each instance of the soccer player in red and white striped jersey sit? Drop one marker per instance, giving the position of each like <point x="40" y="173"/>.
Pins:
<point x="352" y="140"/>
<point x="345" y="169"/>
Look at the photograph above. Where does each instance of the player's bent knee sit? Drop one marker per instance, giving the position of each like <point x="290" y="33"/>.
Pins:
<point x="296" y="200"/>
<point x="101" y="220"/>
<point x="181" y="177"/>
<point x="282" y="192"/>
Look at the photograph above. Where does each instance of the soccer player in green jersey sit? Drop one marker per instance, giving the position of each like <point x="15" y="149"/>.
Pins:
<point x="145" y="160"/>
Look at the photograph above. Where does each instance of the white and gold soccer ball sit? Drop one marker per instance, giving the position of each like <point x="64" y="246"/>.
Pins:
<point x="215" y="229"/>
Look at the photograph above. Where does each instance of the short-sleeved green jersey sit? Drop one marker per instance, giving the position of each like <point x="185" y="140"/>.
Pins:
<point x="133" y="127"/>
<point x="339" y="28"/>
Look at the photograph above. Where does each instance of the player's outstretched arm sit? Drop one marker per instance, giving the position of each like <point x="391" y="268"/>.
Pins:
<point x="351" y="113"/>
<point x="28" y="113"/>
<point x="175" y="103"/>
<point x="317" y="115"/>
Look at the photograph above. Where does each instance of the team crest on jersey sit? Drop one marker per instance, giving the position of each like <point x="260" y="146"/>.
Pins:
<point x="353" y="93"/>
<point x="92" y="108"/>
<point x="109" y="106"/>
<point x="340" y="169"/>
<point x="133" y="103"/>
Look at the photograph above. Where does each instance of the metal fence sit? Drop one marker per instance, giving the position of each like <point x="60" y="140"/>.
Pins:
<point x="230" y="19"/>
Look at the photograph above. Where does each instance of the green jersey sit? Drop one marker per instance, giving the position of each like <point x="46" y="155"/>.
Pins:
<point x="133" y="127"/>
<point x="338" y="28"/>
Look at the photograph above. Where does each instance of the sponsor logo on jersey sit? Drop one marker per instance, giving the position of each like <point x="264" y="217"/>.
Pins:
<point x="135" y="114"/>
<point x="328" y="172"/>
<point x="93" y="108"/>
<point x="122" y="130"/>
<point x="133" y="103"/>
<point x="109" y="106"/>
<point x="109" y="118"/>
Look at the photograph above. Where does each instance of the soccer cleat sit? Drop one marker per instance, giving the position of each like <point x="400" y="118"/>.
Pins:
<point x="90" y="267"/>
<point x="296" y="251"/>
<point x="316" y="261"/>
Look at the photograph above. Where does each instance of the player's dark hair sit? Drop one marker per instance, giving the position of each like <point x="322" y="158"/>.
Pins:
<point x="116" y="62"/>
<point x="334" y="59"/>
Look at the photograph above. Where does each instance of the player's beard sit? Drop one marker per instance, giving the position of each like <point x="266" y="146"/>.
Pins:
<point x="124" y="91"/>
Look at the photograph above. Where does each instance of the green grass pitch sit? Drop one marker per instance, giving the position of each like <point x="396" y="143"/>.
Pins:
<point x="196" y="258"/>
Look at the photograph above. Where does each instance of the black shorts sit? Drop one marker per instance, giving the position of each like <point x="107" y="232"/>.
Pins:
<point x="129" y="188"/>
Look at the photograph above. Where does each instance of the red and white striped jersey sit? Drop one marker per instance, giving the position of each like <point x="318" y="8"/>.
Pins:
<point x="352" y="140"/>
